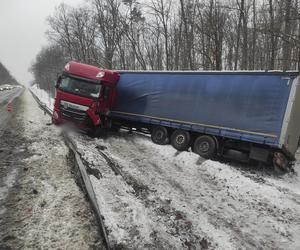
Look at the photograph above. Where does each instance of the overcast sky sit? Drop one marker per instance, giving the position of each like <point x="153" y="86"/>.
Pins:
<point x="22" y="32"/>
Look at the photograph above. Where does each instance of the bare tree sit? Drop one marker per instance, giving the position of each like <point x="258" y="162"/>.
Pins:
<point x="48" y="64"/>
<point x="181" y="35"/>
<point x="161" y="10"/>
<point x="109" y="26"/>
<point x="287" y="31"/>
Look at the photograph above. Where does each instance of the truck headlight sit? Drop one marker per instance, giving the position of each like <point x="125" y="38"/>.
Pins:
<point x="100" y="74"/>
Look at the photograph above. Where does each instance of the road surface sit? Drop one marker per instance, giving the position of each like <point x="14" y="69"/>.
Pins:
<point x="41" y="207"/>
<point x="7" y="96"/>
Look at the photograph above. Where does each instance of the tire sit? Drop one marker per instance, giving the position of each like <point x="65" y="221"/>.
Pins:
<point x="205" y="146"/>
<point x="159" y="135"/>
<point x="280" y="163"/>
<point x="181" y="140"/>
<point x="95" y="132"/>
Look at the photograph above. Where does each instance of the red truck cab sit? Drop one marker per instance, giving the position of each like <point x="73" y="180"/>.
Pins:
<point x="84" y="95"/>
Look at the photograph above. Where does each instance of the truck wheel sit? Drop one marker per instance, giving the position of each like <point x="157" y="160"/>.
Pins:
<point x="96" y="132"/>
<point x="205" y="146"/>
<point x="280" y="163"/>
<point x="180" y="140"/>
<point x="159" y="135"/>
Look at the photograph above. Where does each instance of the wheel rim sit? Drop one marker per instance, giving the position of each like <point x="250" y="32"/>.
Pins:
<point x="159" y="134"/>
<point x="204" y="147"/>
<point x="180" y="139"/>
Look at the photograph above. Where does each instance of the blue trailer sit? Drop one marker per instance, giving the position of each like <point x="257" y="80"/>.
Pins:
<point x="256" y="113"/>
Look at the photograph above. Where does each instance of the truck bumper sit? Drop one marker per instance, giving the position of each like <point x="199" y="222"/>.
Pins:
<point x="56" y="119"/>
<point x="87" y="124"/>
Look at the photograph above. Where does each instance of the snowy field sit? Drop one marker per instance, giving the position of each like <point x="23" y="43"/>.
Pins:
<point x="154" y="197"/>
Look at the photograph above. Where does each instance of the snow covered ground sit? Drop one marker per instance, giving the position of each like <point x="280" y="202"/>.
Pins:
<point x="41" y="207"/>
<point x="43" y="96"/>
<point x="154" y="197"/>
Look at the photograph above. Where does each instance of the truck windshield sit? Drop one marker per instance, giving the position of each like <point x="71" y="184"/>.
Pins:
<point x="80" y="87"/>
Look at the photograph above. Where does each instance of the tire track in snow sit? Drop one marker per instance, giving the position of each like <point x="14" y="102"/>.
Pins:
<point x="162" y="208"/>
<point x="188" y="237"/>
<point x="124" y="210"/>
<point x="275" y="219"/>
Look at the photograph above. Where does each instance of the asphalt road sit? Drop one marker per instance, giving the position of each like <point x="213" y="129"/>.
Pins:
<point x="7" y="96"/>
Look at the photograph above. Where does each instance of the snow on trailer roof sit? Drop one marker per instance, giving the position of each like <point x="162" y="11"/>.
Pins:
<point x="222" y="72"/>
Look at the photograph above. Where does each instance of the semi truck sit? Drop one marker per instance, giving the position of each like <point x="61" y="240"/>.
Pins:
<point x="215" y="113"/>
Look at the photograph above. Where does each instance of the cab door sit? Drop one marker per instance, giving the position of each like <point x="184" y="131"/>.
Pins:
<point x="104" y="99"/>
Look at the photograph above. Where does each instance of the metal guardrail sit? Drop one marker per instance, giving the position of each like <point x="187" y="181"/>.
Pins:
<point x="84" y="175"/>
<point x="42" y="105"/>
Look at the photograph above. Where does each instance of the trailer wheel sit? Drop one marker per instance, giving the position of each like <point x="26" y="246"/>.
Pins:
<point x="181" y="139"/>
<point x="205" y="146"/>
<point x="159" y="135"/>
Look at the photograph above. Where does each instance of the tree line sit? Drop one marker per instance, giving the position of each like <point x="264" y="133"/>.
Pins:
<point x="173" y="35"/>
<point x="6" y="77"/>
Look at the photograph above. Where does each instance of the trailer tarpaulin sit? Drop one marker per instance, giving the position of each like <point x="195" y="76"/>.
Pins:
<point x="248" y="102"/>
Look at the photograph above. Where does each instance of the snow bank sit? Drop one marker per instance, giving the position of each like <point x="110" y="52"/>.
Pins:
<point x="177" y="200"/>
<point x="43" y="96"/>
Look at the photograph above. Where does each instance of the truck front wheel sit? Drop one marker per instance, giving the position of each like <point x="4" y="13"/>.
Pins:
<point x="180" y="140"/>
<point x="159" y="135"/>
<point x="205" y="146"/>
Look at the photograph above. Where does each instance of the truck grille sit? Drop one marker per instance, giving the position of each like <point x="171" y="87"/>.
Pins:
<point x="73" y="115"/>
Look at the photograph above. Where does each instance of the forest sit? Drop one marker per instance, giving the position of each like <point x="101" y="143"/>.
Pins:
<point x="5" y="76"/>
<point x="172" y="35"/>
